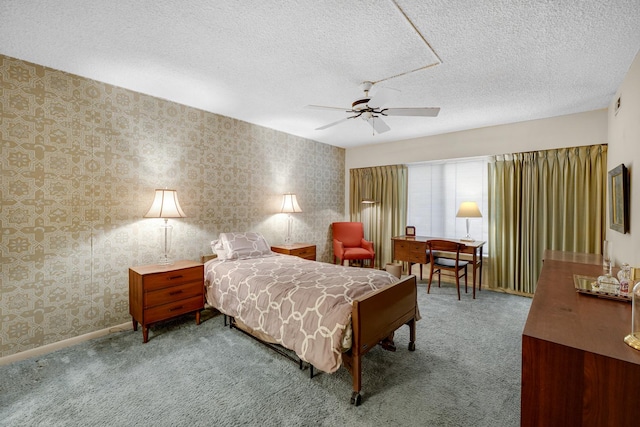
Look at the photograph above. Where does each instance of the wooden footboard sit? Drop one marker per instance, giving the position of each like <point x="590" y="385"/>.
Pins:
<point x="375" y="317"/>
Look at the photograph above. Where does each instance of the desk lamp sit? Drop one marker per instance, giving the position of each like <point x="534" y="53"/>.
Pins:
<point x="468" y="210"/>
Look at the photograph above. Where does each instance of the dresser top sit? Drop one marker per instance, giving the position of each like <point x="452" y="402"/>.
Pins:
<point x="561" y="315"/>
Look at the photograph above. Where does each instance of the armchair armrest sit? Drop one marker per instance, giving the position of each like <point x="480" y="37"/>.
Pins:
<point x="338" y="248"/>
<point x="367" y="245"/>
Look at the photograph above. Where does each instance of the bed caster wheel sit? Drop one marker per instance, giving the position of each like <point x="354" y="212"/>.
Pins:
<point x="356" y="398"/>
<point x="412" y="346"/>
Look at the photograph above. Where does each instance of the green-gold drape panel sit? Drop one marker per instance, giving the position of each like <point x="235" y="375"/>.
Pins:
<point x="553" y="199"/>
<point x="385" y="218"/>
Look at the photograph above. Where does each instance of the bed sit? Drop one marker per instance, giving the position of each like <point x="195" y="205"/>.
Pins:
<point x="329" y="315"/>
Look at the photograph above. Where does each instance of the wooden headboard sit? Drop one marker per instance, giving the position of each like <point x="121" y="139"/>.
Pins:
<point x="205" y="258"/>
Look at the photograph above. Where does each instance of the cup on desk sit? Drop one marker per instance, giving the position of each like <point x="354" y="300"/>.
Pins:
<point x="395" y="269"/>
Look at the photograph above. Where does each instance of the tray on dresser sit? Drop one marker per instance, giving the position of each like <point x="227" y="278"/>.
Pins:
<point x="585" y="285"/>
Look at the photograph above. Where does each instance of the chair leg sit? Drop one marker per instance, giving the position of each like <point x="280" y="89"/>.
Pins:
<point x="465" y="279"/>
<point x="458" y="285"/>
<point x="430" y="278"/>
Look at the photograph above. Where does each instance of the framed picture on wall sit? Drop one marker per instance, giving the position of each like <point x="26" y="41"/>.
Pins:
<point x="619" y="199"/>
<point x="410" y="231"/>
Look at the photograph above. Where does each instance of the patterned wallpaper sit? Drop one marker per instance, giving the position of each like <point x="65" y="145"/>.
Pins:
<point x="79" y="164"/>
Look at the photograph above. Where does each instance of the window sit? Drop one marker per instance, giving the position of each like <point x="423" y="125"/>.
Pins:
<point x="435" y="192"/>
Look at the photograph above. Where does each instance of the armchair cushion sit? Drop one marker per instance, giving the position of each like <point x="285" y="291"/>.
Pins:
<point x="357" y="253"/>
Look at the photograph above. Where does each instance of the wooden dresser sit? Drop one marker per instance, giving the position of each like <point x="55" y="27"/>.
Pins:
<point x="302" y="250"/>
<point x="159" y="292"/>
<point x="576" y="368"/>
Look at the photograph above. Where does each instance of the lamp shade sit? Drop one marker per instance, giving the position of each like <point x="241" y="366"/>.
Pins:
<point x="468" y="210"/>
<point x="165" y="205"/>
<point x="290" y="204"/>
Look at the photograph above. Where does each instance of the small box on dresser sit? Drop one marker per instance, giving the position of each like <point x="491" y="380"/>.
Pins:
<point x="302" y="250"/>
<point x="161" y="292"/>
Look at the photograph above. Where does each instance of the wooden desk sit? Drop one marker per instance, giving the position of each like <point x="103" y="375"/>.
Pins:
<point x="414" y="251"/>
<point x="576" y="368"/>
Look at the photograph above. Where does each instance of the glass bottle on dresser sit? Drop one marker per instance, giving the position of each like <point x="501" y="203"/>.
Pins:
<point x="624" y="277"/>
<point x="607" y="283"/>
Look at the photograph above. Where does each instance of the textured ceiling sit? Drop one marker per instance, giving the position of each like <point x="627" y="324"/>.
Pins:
<point x="483" y="62"/>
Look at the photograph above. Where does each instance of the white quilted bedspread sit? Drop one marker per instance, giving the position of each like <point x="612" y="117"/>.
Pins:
<point x="304" y="305"/>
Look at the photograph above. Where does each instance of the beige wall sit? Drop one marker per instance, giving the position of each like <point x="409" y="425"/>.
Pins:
<point x="624" y="147"/>
<point x="556" y="132"/>
<point x="79" y="162"/>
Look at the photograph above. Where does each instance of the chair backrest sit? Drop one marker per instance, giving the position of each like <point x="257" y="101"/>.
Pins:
<point x="349" y="233"/>
<point x="445" y="246"/>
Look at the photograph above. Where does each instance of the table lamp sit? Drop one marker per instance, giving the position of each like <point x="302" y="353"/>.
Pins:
<point x="289" y="205"/>
<point x="468" y="210"/>
<point x="165" y="205"/>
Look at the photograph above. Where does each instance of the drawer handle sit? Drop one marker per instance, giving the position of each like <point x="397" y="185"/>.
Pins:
<point x="175" y="277"/>
<point x="175" y="292"/>
<point x="175" y="308"/>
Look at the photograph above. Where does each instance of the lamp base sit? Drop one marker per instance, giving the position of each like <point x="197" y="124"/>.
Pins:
<point x="166" y="230"/>
<point x="165" y="260"/>
<point x="287" y="238"/>
<point x="468" y="237"/>
<point x="632" y="341"/>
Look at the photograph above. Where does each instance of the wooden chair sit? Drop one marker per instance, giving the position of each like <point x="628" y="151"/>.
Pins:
<point x="439" y="264"/>
<point x="349" y="243"/>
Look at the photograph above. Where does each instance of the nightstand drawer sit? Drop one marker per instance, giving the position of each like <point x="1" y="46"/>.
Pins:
<point x="173" y="309"/>
<point x="172" y="278"/>
<point x="307" y="253"/>
<point x="173" y="293"/>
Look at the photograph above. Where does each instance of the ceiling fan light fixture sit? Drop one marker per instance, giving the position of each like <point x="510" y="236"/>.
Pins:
<point x="360" y="104"/>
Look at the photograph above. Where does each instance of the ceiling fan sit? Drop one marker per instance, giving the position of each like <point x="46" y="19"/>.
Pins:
<point x="370" y="109"/>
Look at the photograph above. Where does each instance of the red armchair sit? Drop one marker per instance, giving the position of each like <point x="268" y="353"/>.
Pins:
<point x="349" y="243"/>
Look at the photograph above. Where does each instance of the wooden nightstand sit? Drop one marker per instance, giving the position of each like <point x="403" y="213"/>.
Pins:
<point x="302" y="250"/>
<point x="160" y="292"/>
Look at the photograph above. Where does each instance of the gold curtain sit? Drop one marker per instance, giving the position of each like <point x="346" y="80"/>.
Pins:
<point x="387" y="217"/>
<point x="554" y="199"/>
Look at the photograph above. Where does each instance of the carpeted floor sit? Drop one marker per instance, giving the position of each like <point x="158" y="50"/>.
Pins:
<point x="465" y="372"/>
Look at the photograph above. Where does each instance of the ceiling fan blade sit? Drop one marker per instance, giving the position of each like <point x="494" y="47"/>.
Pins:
<point x="382" y="96"/>
<point x="377" y="124"/>
<point x="425" y="112"/>
<point x="334" y="123"/>
<point x="322" y="107"/>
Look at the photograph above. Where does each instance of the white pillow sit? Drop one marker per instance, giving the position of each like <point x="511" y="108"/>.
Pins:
<point x="218" y="248"/>
<point x="244" y="245"/>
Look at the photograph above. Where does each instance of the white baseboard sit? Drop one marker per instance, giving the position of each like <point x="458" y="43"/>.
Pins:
<point x="39" y="351"/>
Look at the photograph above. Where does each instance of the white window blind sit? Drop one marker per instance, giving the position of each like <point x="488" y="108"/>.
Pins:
<point x="436" y="190"/>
